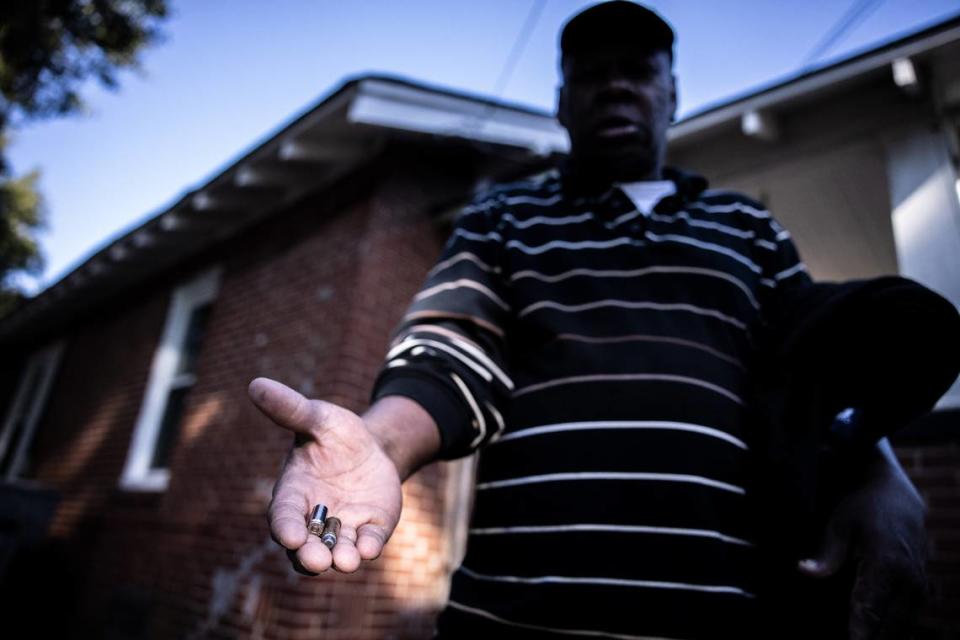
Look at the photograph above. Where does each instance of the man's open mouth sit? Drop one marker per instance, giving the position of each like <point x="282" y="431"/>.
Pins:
<point x="615" y="126"/>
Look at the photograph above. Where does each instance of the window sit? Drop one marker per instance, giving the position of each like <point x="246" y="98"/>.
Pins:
<point x="172" y="375"/>
<point x="25" y="411"/>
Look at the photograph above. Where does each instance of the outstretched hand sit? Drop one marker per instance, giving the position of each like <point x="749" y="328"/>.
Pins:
<point x="335" y="461"/>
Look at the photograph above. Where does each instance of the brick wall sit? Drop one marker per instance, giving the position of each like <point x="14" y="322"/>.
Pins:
<point x="934" y="466"/>
<point x="79" y="450"/>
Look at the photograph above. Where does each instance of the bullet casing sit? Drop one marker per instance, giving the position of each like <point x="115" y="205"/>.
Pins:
<point x="317" y="520"/>
<point x="331" y="531"/>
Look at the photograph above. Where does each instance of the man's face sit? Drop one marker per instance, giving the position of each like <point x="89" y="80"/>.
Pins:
<point x="617" y="103"/>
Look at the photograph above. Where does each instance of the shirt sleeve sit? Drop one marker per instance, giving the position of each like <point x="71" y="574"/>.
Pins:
<point x="447" y="353"/>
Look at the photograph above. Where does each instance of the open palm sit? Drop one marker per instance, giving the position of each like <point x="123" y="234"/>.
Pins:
<point x="337" y="462"/>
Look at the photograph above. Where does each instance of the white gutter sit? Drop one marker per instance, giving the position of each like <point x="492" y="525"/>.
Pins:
<point x="396" y="106"/>
<point x="816" y="81"/>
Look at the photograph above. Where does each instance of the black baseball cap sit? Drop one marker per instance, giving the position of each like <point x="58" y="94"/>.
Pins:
<point x="616" y="21"/>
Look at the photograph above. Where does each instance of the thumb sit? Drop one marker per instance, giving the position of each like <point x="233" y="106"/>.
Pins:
<point x="284" y="406"/>
<point x="830" y="558"/>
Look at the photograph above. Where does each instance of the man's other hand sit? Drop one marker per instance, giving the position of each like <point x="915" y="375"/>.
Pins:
<point x="335" y="461"/>
<point x="880" y="526"/>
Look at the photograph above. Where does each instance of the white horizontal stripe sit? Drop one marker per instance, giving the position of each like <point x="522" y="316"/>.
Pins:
<point x="696" y="222"/>
<point x="783" y="235"/>
<point x="540" y="202"/>
<point x="612" y="377"/>
<point x="480" y="206"/>
<point x="548" y="180"/>
<point x="483" y="323"/>
<point x="482" y="237"/>
<point x="603" y="244"/>
<point x="625" y="424"/>
<point x="767" y="282"/>
<point x="411" y="343"/>
<point x="786" y="273"/>
<point x="469" y="347"/>
<point x="529" y="222"/>
<point x="732" y="208"/>
<point x="536" y="627"/>
<point x="630" y="215"/>
<point x="710" y="246"/>
<point x="612" y="528"/>
<point x="635" y="337"/>
<point x="565" y="244"/>
<point x="462" y="283"/>
<point x="634" y="273"/>
<point x="629" y="304"/>
<point x="618" y="582"/>
<point x="612" y="475"/>
<point x="463" y="255"/>
<point x="693" y="222"/>
<point x="501" y="198"/>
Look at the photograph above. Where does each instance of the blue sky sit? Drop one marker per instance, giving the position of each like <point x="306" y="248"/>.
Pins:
<point x="229" y="72"/>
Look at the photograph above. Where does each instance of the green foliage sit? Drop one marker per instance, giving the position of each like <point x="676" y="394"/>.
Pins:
<point x="48" y="48"/>
<point x="21" y="216"/>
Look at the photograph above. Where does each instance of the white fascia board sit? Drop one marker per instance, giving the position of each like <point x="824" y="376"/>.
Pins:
<point x="394" y="106"/>
<point x="809" y="85"/>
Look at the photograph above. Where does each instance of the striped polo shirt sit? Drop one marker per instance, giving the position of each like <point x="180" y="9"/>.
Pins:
<point x="599" y="358"/>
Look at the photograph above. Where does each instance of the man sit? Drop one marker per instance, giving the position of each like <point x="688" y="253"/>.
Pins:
<point x="592" y="331"/>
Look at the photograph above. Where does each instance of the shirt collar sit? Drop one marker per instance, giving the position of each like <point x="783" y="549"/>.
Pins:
<point x="578" y="182"/>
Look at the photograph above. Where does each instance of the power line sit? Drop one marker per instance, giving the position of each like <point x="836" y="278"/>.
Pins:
<point x="518" y="45"/>
<point x="857" y="12"/>
<point x="477" y="122"/>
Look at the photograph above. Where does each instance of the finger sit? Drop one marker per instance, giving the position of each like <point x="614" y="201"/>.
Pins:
<point x="299" y="568"/>
<point x="283" y="405"/>
<point x="370" y="541"/>
<point x="832" y="555"/>
<point x="287" y="515"/>
<point x="346" y="558"/>
<point x="314" y="555"/>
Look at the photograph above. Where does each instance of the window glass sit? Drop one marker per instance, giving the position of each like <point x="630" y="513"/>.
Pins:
<point x="169" y="428"/>
<point x="196" y="328"/>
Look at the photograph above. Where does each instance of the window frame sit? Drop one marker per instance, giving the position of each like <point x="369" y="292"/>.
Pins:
<point x="47" y="359"/>
<point x="138" y="474"/>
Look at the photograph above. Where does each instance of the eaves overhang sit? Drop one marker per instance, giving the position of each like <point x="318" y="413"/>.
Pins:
<point x="340" y="134"/>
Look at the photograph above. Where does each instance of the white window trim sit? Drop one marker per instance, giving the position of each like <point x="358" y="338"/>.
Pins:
<point x="48" y="359"/>
<point x="137" y="474"/>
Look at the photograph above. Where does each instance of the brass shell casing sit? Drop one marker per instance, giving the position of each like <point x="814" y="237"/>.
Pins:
<point x="330" y="532"/>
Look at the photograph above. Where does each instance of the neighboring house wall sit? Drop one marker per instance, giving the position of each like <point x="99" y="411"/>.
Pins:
<point x="309" y="298"/>
<point x="824" y="177"/>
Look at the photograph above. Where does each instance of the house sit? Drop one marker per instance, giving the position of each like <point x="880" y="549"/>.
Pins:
<point x="136" y="473"/>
